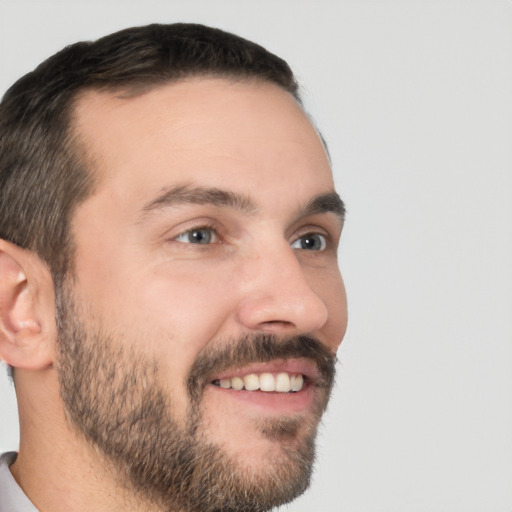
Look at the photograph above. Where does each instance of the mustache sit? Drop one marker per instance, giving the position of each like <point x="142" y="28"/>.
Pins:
<point x="260" y="348"/>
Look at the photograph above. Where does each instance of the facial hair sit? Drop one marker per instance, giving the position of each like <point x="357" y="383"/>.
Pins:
<point x="113" y="398"/>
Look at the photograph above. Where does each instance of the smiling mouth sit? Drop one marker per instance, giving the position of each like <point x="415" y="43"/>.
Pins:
<point x="282" y="382"/>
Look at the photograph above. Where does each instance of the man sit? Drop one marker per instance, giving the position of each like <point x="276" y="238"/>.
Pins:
<point x="170" y="297"/>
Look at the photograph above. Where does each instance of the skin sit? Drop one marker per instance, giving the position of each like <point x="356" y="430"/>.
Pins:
<point x="138" y="276"/>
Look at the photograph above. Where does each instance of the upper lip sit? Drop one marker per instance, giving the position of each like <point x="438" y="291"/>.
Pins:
<point x="293" y="366"/>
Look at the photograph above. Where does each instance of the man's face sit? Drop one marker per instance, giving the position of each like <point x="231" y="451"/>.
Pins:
<point x="205" y="261"/>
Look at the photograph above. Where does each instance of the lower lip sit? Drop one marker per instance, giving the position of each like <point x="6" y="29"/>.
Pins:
<point x="271" y="403"/>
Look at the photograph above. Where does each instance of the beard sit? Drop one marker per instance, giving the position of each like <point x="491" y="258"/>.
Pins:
<point x="113" y="398"/>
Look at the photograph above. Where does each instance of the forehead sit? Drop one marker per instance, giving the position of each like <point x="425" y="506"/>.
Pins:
<point x="243" y="135"/>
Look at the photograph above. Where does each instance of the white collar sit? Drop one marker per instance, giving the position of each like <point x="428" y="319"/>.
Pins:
<point x="12" y="498"/>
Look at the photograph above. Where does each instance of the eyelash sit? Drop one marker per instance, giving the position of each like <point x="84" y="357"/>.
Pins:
<point x="209" y="228"/>
<point x="324" y="239"/>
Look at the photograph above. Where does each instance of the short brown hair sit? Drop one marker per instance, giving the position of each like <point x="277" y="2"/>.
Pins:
<point x="42" y="177"/>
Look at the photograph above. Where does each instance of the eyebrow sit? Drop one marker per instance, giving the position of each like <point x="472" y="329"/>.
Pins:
<point x="329" y="202"/>
<point x="184" y="194"/>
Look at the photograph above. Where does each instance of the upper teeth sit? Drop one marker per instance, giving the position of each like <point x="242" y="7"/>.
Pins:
<point x="282" y="382"/>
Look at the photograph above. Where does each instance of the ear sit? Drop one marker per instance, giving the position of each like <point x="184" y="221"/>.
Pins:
<point x="27" y="309"/>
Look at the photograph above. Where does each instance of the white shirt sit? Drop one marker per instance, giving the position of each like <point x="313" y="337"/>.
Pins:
<point x="12" y="498"/>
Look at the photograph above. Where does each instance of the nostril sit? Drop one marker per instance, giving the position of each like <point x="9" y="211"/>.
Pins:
<point x="272" y="324"/>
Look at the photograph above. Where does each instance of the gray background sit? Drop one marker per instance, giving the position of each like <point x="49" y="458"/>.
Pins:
<point x="414" y="99"/>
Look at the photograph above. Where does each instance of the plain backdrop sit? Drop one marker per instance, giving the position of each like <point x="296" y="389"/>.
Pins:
<point x="415" y="101"/>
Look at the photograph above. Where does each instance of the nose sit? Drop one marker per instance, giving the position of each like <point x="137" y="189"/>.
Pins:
<point x="277" y="297"/>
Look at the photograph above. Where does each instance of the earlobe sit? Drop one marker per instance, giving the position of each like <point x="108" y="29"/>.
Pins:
<point x="27" y="320"/>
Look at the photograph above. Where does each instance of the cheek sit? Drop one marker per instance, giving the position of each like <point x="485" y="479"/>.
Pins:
<point x="331" y="288"/>
<point x="341" y="311"/>
<point x="187" y="306"/>
<point x="170" y="315"/>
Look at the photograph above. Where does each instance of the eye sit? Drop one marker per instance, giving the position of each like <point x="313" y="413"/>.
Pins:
<point x="311" y="242"/>
<point x="200" y="236"/>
